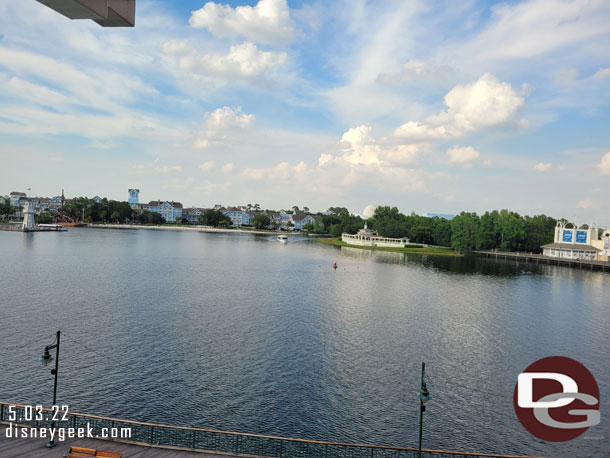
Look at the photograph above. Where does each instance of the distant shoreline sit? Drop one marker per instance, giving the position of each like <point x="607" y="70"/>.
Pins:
<point x="435" y="251"/>
<point x="193" y="228"/>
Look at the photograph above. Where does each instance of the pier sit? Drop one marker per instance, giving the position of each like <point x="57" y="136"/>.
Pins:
<point x="540" y="259"/>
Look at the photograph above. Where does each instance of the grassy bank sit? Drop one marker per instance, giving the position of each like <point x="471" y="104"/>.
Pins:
<point x="409" y="249"/>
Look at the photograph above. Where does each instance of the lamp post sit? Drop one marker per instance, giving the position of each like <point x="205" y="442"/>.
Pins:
<point x="46" y="359"/>
<point x="423" y="396"/>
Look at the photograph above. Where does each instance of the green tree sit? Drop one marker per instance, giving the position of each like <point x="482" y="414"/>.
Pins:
<point x="487" y="236"/>
<point x="511" y="229"/>
<point x="442" y="231"/>
<point x="214" y="218"/>
<point x="261" y="221"/>
<point x="44" y="218"/>
<point x="340" y="212"/>
<point x="539" y="230"/>
<point x="464" y="228"/>
<point x="6" y="209"/>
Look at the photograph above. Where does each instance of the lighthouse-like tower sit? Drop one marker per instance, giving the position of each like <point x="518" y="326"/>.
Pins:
<point x="134" y="197"/>
<point x="28" y="216"/>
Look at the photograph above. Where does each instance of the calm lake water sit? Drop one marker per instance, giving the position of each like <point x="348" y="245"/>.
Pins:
<point x="243" y="333"/>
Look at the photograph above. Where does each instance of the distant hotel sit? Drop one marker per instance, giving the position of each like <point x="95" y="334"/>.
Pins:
<point x="367" y="237"/>
<point x="579" y="243"/>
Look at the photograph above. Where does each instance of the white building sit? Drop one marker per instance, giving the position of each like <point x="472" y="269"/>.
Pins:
<point x="28" y="216"/>
<point x="579" y="243"/>
<point x="367" y="237"/>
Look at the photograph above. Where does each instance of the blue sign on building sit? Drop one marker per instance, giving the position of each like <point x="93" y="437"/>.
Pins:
<point x="581" y="236"/>
<point x="567" y="236"/>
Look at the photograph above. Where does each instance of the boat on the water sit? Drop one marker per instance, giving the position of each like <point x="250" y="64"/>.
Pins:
<point x="282" y="238"/>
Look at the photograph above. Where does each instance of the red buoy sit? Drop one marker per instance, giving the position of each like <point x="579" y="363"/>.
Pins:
<point x="335" y="266"/>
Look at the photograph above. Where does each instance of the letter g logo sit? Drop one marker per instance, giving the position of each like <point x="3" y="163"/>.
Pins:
<point x="561" y="386"/>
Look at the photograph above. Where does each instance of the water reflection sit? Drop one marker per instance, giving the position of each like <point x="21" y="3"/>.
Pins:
<point x="267" y="337"/>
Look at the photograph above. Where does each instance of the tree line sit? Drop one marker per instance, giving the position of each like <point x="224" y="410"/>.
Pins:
<point x="503" y="230"/>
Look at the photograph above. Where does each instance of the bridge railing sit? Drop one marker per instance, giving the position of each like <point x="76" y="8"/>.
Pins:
<point x="213" y="440"/>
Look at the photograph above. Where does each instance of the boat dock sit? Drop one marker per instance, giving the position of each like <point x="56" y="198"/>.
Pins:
<point x="37" y="228"/>
<point x="540" y="259"/>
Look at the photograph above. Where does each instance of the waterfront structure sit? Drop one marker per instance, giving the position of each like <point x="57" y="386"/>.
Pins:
<point x="301" y="219"/>
<point x="28" y="216"/>
<point x="134" y="198"/>
<point x="367" y="237"/>
<point x="579" y="243"/>
<point x="239" y="217"/>
<point x="171" y="211"/>
<point x="18" y="198"/>
<point x="192" y="214"/>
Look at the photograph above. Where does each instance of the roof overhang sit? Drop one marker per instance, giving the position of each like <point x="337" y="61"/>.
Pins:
<point x="107" y="13"/>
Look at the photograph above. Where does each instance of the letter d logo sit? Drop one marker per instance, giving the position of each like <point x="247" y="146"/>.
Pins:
<point x="556" y="399"/>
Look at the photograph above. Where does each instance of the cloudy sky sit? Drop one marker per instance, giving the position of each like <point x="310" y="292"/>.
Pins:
<point x="436" y="106"/>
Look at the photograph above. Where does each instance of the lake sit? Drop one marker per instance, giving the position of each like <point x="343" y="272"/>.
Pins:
<point x="242" y="333"/>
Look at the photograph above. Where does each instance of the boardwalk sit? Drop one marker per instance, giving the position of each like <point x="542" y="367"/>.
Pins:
<point x="35" y="448"/>
<point x="180" y="441"/>
<point x="540" y="259"/>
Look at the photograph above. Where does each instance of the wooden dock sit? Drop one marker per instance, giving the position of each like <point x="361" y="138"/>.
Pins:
<point x="540" y="259"/>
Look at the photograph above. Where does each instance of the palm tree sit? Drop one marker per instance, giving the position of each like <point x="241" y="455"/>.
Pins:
<point x="257" y="207"/>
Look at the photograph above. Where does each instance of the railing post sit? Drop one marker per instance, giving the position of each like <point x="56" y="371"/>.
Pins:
<point x="1" y="412"/>
<point x="281" y="448"/>
<point x="193" y="440"/>
<point x="325" y="450"/>
<point x="152" y="432"/>
<point x="236" y="444"/>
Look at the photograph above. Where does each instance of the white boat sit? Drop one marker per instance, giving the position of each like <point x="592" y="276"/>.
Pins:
<point x="282" y="239"/>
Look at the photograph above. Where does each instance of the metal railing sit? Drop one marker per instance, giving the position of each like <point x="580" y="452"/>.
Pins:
<point x="218" y="441"/>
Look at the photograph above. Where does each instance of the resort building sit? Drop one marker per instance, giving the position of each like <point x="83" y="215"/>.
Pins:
<point x="579" y="243"/>
<point x="239" y="217"/>
<point x="367" y="237"/>
<point x="134" y="197"/>
<point x="171" y="211"/>
<point x="192" y="214"/>
<point x="301" y="219"/>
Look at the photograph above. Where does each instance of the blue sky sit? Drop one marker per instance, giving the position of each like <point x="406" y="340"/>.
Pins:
<point x="430" y="106"/>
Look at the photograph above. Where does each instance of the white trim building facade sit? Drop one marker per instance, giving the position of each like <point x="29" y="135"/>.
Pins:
<point x="579" y="243"/>
<point x="367" y="237"/>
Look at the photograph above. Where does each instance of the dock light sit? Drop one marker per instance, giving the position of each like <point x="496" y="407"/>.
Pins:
<point x="46" y="359"/>
<point x="424" y="396"/>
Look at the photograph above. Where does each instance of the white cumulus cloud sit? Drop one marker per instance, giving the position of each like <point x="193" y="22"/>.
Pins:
<point x="244" y="60"/>
<point x="604" y="165"/>
<point x="462" y="155"/>
<point x="543" y="166"/>
<point x="268" y="22"/>
<point x="222" y="125"/>
<point x="485" y="103"/>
